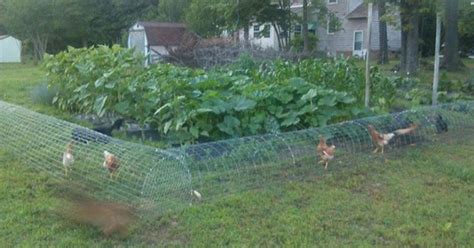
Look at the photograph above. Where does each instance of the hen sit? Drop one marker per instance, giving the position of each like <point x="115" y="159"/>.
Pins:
<point x="111" y="163"/>
<point x="99" y="134"/>
<point x="382" y="139"/>
<point x="325" y="152"/>
<point x="68" y="158"/>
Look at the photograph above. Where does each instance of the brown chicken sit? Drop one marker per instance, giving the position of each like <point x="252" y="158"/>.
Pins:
<point x="111" y="163"/>
<point x="382" y="139"/>
<point x="68" y="158"/>
<point x="110" y="217"/>
<point x="325" y="152"/>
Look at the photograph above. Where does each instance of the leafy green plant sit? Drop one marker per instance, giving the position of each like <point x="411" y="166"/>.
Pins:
<point x="188" y="105"/>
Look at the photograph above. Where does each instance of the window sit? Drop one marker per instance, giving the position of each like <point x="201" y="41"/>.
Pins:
<point x="297" y="30"/>
<point x="358" y="39"/>
<point x="332" y="26"/>
<point x="256" y="31"/>
<point x="332" y="1"/>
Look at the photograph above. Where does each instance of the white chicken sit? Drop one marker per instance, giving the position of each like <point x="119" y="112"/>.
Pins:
<point x="68" y="158"/>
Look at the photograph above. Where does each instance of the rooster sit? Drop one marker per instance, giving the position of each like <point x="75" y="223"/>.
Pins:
<point x="382" y="139"/>
<point x="325" y="152"/>
<point x="111" y="163"/>
<point x="68" y="158"/>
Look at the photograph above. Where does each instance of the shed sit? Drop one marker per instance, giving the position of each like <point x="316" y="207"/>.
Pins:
<point x="10" y="49"/>
<point x="155" y="39"/>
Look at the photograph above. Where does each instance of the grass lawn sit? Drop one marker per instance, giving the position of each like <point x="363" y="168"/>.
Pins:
<point x="420" y="196"/>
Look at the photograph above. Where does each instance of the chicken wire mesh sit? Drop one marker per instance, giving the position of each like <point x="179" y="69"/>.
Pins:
<point x="173" y="178"/>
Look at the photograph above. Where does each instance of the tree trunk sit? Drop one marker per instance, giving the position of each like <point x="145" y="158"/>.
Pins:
<point x="39" y="46"/>
<point x="413" y="43"/>
<point x="288" y="31"/>
<point x="452" y="60"/>
<point x="305" y="26"/>
<point x="404" y="36"/>
<point x="246" y="36"/>
<point x="277" y="31"/>
<point x="383" y="39"/>
<point x="410" y="20"/>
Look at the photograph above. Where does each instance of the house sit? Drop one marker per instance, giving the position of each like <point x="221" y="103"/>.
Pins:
<point x="155" y="39"/>
<point x="261" y="35"/>
<point x="349" y="39"/>
<point x="10" y="49"/>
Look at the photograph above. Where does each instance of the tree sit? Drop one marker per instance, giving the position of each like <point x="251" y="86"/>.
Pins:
<point x="319" y="8"/>
<point x="32" y="20"/>
<point x="240" y="14"/>
<point x="305" y="26"/>
<point x="52" y="25"/>
<point x="204" y="17"/>
<point x="452" y="61"/>
<point x="383" y="39"/>
<point x="466" y="29"/>
<point x="172" y="10"/>
<point x="410" y="20"/>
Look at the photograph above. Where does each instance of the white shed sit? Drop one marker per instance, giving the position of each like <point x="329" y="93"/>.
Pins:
<point x="10" y="49"/>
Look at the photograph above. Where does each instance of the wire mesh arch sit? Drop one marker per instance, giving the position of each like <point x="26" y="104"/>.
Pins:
<point x="173" y="178"/>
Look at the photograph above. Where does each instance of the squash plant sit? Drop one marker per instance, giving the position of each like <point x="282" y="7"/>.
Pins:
<point x="189" y="105"/>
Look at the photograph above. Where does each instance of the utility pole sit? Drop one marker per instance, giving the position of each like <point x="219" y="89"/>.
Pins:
<point x="434" y="97"/>
<point x="367" y="57"/>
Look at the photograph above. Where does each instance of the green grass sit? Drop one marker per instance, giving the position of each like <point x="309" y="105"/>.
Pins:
<point x="421" y="196"/>
<point x="17" y="83"/>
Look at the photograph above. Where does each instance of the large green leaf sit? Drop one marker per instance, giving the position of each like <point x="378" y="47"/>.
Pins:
<point x="291" y="119"/>
<point x="123" y="107"/>
<point x="310" y="94"/>
<point x="229" y="125"/>
<point x="240" y="103"/>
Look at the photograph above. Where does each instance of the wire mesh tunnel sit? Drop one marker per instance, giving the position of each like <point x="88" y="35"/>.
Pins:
<point x="170" y="178"/>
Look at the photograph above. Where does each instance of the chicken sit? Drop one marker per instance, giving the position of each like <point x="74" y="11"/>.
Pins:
<point x="111" y="163"/>
<point x="321" y="146"/>
<point x="99" y="134"/>
<point x="68" y="158"/>
<point x="197" y="194"/>
<point x="325" y="152"/>
<point x="382" y="139"/>
<point x="407" y="130"/>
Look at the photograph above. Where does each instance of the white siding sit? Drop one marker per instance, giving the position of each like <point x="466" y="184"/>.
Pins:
<point x="342" y="41"/>
<point x="270" y="42"/>
<point x="10" y="50"/>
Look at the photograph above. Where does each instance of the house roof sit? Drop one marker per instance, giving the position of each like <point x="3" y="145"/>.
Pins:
<point x="4" y="36"/>
<point x="164" y="34"/>
<point x="359" y="12"/>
